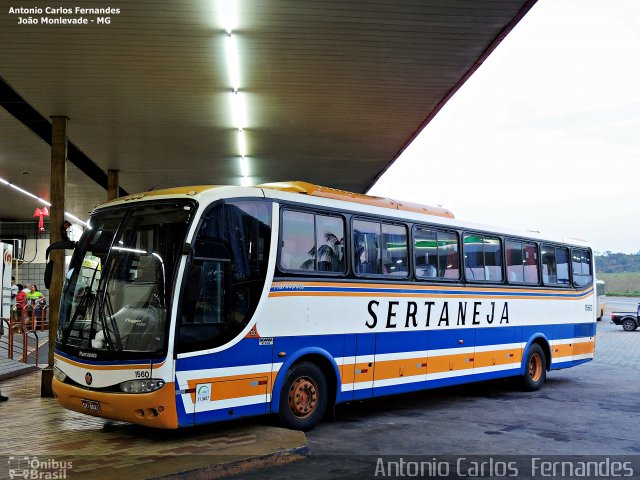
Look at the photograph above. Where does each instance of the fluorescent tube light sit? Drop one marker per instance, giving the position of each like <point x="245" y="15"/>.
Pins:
<point x="238" y="106"/>
<point x="15" y="187"/>
<point x="233" y="65"/>
<point x="244" y="166"/>
<point x="242" y="143"/>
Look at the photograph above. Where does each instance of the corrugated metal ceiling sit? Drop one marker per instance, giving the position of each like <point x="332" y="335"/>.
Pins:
<point x="335" y="90"/>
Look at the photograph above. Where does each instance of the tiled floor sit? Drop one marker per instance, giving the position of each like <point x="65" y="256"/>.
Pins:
<point x="34" y="427"/>
<point x="12" y="368"/>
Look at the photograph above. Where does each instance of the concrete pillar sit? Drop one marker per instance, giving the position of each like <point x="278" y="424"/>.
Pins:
<point x="56" y="216"/>
<point x="114" y="184"/>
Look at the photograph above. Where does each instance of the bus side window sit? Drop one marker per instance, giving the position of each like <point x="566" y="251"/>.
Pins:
<point x="581" y="263"/>
<point x="312" y="242"/>
<point x="366" y="243"/>
<point x="395" y="254"/>
<point x="522" y="262"/>
<point x="555" y="265"/>
<point x="562" y="263"/>
<point x="549" y="276"/>
<point x="435" y="254"/>
<point x="483" y="258"/>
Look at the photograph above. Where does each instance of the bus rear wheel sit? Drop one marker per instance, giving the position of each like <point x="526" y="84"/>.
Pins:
<point x="303" y="398"/>
<point x="535" y="368"/>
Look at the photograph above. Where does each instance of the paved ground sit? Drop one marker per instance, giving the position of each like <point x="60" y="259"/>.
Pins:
<point x="38" y="430"/>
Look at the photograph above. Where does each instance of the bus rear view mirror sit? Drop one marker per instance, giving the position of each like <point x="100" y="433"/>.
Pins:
<point x="48" y="271"/>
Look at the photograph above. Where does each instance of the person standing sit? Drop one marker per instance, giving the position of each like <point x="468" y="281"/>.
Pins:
<point x="21" y="296"/>
<point x="14" y="290"/>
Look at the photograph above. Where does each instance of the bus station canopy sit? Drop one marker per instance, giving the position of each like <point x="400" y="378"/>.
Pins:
<point x="329" y="92"/>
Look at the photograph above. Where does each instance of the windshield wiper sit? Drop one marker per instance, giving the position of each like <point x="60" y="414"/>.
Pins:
<point x="87" y="297"/>
<point x="106" y="319"/>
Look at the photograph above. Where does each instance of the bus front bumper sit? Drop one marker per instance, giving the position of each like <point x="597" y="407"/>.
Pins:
<point x="156" y="409"/>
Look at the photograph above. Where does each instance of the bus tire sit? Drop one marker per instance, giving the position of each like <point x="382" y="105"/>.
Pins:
<point x="629" y="325"/>
<point x="535" y="368"/>
<point x="303" y="399"/>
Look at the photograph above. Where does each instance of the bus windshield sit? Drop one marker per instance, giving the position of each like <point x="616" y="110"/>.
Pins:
<point x="117" y="295"/>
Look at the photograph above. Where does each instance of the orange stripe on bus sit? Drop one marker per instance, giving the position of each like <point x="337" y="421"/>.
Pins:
<point x="235" y="386"/>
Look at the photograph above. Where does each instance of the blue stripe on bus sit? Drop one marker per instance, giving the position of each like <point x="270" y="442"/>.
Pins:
<point x="184" y="419"/>
<point x="108" y="363"/>
<point x="248" y="352"/>
<point x="393" y="342"/>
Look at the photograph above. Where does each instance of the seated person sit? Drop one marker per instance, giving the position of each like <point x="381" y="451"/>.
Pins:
<point x="36" y="299"/>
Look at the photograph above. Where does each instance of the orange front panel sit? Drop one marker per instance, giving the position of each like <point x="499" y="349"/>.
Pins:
<point x="156" y="409"/>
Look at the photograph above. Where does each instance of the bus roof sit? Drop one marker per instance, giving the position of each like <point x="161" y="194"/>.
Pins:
<point x="327" y="192"/>
<point x="303" y="188"/>
<point x="289" y="190"/>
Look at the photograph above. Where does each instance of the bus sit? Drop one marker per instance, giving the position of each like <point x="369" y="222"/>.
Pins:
<point x="195" y="305"/>
<point x="601" y="299"/>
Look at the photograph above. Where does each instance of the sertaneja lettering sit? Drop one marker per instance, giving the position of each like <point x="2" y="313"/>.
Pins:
<point x="417" y="315"/>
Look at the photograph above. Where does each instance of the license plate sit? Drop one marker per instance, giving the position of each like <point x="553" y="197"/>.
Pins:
<point x="90" y="405"/>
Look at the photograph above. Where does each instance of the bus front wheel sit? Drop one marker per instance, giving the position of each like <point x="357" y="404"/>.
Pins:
<point x="303" y="399"/>
<point x="535" y="368"/>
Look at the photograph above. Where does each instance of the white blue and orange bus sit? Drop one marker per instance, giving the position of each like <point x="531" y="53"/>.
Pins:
<point x="202" y="304"/>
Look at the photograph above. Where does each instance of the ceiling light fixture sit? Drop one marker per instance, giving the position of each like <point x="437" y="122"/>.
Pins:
<point x="233" y="65"/>
<point x="238" y="109"/>
<point x="21" y="190"/>
<point x="244" y="166"/>
<point x="228" y="14"/>
<point x="242" y="143"/>
<point x="40" y="200"/>
<point x="227" y="11"/>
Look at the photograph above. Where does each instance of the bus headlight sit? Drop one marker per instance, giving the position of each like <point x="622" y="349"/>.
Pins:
<point x="141" y="386"/>
<point x="59" y="374"/>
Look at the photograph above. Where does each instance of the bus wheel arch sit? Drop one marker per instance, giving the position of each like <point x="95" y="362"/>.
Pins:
<point x="326" y="367"/>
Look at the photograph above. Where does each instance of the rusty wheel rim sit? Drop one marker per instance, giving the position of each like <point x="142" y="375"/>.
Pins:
<point x="535" y="367"/>
<point x="303" y="397"/>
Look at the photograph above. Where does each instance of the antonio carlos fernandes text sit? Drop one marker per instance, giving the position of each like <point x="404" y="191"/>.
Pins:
<point x="492" y="468"/>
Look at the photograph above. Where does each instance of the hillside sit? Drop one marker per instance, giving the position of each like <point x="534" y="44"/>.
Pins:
<point x="620" y="272"/>
<point x="618" y="262"/>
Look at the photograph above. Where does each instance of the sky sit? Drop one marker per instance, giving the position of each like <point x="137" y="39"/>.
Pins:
<point x="545" y="135"/>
